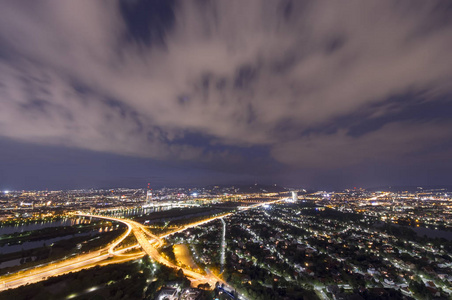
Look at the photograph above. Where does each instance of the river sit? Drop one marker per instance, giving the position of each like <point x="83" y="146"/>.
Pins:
<point x="8" y="229"/>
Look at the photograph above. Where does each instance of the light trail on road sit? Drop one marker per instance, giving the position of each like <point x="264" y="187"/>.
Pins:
<point x="223" y="246"/>
<point x="65" y="266"/>
<point x="96" y="258"/>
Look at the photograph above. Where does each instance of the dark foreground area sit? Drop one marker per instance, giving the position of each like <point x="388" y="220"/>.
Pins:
<point x="140" y="279"/>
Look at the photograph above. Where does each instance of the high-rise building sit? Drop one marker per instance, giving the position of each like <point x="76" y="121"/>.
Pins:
<point x="294" y="196"/>
<point x="148" y="197"/>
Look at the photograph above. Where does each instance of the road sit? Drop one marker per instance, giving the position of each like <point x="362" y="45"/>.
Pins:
<point x="142" y="235"/>
<point x="194" y="224"/>
<point x="57" y="269"/>
<point x="68" y="265"/>
<point x="132" y="227"/>
<point x="155" y="255"/>
<point x="223" y="246"/>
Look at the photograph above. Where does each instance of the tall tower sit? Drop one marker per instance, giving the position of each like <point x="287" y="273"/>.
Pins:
<point x="149" y="195"/>
<point x="294" y="196"/>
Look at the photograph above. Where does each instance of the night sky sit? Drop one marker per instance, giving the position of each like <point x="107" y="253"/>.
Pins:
<point x="315" y="94"/>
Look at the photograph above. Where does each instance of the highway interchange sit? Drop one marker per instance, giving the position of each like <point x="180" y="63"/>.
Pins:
<point x="148" y="242"/>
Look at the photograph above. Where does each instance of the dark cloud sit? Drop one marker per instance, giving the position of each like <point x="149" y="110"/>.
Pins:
<point x="312" y="84"/>
<point x="28" y="166"/>
<point x="147" y="21"/>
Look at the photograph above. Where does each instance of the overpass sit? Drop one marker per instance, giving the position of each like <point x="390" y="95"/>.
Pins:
<point x="142" y="235"/>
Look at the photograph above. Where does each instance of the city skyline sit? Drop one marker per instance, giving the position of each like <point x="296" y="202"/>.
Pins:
<point x="192" y="93"/>
<point x="275" y="244"/>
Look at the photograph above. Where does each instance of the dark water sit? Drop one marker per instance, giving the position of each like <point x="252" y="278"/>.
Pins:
<point x="5" y="249"/>
<point x="10" y="263"/>
<point x="36" y="244"/>
<point x="41" y="225"/>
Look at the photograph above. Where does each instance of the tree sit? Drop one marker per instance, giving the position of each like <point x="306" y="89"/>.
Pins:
<point x="204" y="286"/>
<point x="180" y="273"/>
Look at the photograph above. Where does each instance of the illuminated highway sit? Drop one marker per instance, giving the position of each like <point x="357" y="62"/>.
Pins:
<point x="194" y="224"/>
<point x="132" y="226"/>
<point x="223" y="246"/>
<point x="69" y="265"/>
<point x="142" y="234"/>
<point x="56" y="269"/>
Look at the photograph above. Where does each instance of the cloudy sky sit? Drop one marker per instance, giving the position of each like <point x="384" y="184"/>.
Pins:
<point x="303" y="93"/>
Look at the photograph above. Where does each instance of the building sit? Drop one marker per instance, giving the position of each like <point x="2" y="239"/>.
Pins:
<point x="149" y="197"/>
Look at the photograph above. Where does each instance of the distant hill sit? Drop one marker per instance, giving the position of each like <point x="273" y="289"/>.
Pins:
<point x="411" y="188"/>
<point x="250" y="188"/>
